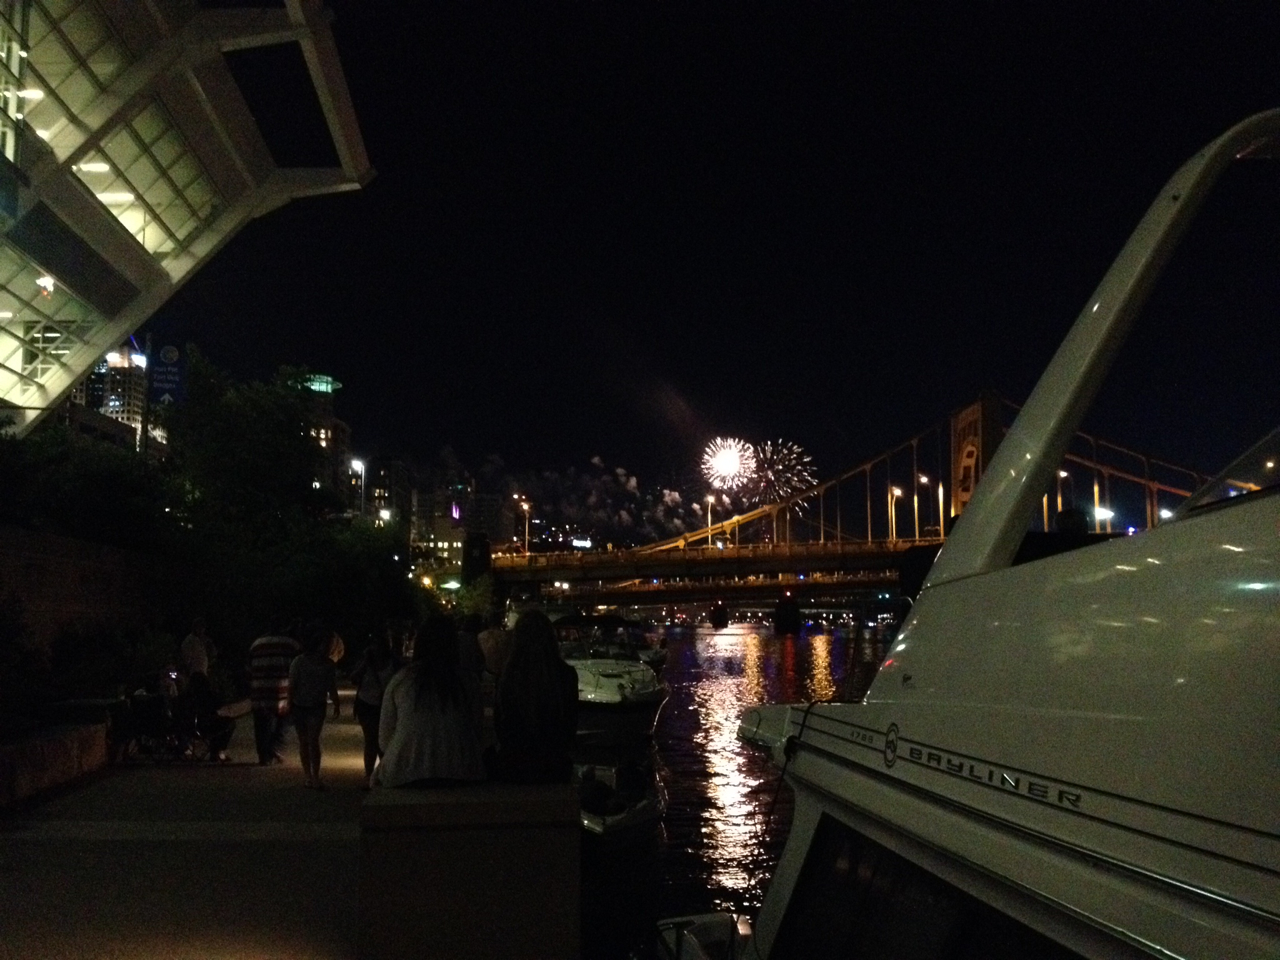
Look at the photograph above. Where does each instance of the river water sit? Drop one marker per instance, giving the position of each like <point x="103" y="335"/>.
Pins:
<point x="727" y="811"/>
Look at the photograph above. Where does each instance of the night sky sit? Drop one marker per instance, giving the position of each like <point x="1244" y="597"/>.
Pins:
<point x="621" y="230"/>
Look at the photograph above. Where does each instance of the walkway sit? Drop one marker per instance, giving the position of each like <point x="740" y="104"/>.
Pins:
<point x="206" y="862"/>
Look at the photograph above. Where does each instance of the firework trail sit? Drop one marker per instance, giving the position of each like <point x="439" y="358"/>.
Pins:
<point x="728" y="463"/>
<point x="782" y="469"/>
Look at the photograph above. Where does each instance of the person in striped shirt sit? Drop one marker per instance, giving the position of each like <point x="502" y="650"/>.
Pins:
<point x="269" y="659"/>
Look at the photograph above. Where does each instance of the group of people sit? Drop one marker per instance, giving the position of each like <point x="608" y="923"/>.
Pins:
<point x="422" y="722"/>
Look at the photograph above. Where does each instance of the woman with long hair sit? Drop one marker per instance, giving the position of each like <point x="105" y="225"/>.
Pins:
<point x="535" y="713"/>
<point x="428" y="729"/>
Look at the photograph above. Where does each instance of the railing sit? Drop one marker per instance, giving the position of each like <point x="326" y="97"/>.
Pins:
<point x="778" y="551"/>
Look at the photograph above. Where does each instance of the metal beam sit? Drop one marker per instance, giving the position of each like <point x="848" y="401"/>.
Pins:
<point x="325" y="68"/>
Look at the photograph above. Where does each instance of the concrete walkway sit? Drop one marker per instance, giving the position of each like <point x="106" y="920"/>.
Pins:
<point x="202" y="861"/>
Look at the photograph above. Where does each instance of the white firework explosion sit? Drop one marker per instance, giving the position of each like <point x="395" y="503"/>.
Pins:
<point x="782" y="469"/>
<point x="728" y="463"/>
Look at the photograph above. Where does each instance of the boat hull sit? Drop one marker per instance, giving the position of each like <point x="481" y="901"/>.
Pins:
<point x="617" y="726"/>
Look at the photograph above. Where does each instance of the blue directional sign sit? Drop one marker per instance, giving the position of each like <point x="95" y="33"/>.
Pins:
<point x="167" y="380"/>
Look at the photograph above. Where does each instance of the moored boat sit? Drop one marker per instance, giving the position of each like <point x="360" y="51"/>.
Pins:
<point x="1072" y="756"/>
<point x="619" y="695"/>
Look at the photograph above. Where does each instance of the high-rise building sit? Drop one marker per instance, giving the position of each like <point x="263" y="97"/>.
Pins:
<point x="129" y="156"/>
<point x="115" y="387"/>
<point x="124" y="392"/>
<point x="330" y="434"/>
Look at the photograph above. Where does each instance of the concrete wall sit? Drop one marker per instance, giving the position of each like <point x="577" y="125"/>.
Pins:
<point x="50" y="759"/>
<point x="481" y="871"/>
<point x="59" y="582"/>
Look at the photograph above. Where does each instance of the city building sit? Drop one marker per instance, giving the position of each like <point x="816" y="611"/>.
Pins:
<point x="115" y="388"/>
<point x="128" y="157"/>
<point x="330" y="434"/>
<point x="390" y="492"/>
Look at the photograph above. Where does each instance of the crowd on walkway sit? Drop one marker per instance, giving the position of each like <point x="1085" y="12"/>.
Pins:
<point x="419" y="700"/>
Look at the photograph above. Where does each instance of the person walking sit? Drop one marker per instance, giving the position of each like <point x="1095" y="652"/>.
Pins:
<point x="312" y="677"/>
<point x="270" y="657"/>
<point x="428" y="730"/>
<point x="371" y="674"/>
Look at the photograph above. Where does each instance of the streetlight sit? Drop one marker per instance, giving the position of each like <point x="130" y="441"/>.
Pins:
<point x="524" y="505"/>
<point x="924" y="482"/>
<point x="711" y="499"/>
<point x="359" y="466"/>
<point x="1103" y="514"/>
<point x="894" y="494"/>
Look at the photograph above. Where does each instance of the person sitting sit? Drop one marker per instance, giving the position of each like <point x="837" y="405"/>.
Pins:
<point x="428" y="730"/>
<point x="535" y="712"/>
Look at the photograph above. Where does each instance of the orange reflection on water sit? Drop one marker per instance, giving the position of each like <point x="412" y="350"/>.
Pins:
<point x="820" y="684"/>
<point x="753" y="669"/>
<point x="732" y="826"/>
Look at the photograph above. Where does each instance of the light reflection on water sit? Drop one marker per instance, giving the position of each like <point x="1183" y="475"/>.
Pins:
<point x="719" y="852"/>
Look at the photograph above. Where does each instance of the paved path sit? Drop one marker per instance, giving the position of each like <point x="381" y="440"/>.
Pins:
<point x="202" y="861"/>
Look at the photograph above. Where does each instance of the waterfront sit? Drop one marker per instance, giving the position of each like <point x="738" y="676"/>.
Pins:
<point x="717" y="845"/>
<point x="221" y="860"/>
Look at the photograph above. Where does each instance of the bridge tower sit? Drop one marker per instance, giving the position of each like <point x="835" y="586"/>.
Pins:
<point x="976" y="431"/>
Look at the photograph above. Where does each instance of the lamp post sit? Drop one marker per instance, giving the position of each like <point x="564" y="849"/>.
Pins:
<point x="524" y="505"/>
<point x="711" y="499"/>
<point x="894" y="494"/>
<point x="924" y="482"/>
<point x="358" y="465"/>
<point x="942" y="514"/>
<point x="1063" y="475"/>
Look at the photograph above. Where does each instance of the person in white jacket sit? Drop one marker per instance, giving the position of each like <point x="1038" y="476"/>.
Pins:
<point x="428" y="729"/>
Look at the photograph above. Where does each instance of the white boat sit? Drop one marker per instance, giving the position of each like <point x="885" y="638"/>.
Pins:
<point x="619" y="695"/>
<point x="616" y="798"/>
<point x="1077" y="756"/>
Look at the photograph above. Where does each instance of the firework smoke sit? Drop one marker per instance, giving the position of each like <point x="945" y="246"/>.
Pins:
<point x="728" y="463"/>
<point x="782" y="469"/>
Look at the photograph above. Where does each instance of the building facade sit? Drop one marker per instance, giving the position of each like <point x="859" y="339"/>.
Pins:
<point x="128" y="157"/>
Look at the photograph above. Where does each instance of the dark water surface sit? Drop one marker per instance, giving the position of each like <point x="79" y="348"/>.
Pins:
<point x="717" y="846"/>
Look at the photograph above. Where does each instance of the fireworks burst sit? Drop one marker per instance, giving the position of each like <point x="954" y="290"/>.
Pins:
<point x="781" y="470"/>
<point x="728" y="463"/>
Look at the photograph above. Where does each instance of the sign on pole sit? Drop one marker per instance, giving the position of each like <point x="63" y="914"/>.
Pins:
<point x="167" y="381"/>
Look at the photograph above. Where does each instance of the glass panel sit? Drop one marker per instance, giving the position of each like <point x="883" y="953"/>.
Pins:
<point x="158" y="203"/>
<point x="150" y="125"/>
<point x="58" y="9"/>
<point x="121" y="148"/>
<point x="185" y="172"/>
<point x="160" y="197"/>
<point x="142" y="174"/>
<point x="200" y="195"/>
<point x="29" y="302"/>
<point x="83" y="30"/>
<point x="77" y="91"/>
<point x="107" y="62"/>
<point x="167" y="149"/>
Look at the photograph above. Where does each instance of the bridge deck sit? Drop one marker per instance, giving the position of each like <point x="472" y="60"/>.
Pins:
<point x="723" y="563"/>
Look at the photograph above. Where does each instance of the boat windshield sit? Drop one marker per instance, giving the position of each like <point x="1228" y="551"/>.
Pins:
<point x="612" y="640"/>
<point x="1252" y="473"/>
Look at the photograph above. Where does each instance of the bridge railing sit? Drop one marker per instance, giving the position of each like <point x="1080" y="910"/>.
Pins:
<point x="780" y="551"/>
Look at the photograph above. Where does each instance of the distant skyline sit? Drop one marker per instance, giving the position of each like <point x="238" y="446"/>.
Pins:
<point x="616" y="231"/>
